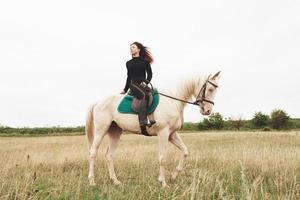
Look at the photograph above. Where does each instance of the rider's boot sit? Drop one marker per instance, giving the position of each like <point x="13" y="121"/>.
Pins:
<point x="143" y="117"/>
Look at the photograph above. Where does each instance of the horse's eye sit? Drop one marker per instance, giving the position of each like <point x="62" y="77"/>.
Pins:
<point x="210" y="90"/>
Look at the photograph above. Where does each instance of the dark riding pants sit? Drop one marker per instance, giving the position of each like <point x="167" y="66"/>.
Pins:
<point x="141" y="93"/>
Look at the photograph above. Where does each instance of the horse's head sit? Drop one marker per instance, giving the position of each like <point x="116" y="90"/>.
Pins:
<point x="206" y="93"/>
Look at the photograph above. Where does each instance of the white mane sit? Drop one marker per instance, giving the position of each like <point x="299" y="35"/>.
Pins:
<point x="186" y="87"/>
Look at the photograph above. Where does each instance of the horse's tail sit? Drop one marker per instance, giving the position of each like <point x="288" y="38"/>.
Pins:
<point x="89" y="124"/>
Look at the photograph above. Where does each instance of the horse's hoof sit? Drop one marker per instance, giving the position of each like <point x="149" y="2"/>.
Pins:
<point x="173" y="177"/>
<point x="164" y="185"/>
<point x="92" y="183"/>
<point x="117" y="182"/>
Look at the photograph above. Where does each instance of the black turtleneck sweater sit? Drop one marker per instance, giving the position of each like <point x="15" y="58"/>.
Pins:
<point x="136" y="68"/>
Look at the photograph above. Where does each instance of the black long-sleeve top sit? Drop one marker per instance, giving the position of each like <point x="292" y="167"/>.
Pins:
<point x="136" y="68"/>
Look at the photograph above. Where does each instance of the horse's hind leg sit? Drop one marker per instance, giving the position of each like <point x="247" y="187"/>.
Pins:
<point x="100" y="132"/>
<point x="114" y="134"/>
<point x="177" y="141"/>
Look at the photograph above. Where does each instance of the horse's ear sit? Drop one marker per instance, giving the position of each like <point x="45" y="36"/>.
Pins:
<point x="216" y="75"/>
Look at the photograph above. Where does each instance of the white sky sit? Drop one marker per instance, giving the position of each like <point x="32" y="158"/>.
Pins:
<point x="57" y="57"/>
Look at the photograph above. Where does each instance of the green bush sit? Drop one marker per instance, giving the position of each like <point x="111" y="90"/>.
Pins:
<point x="295" y="123"/>
<point x="260" y="120"/>
<point x="189" y="126"/>
<point x="204" y="125"/>
<point x="279" y="119"/>
<point x="266" y="129"/>
<point x="236" y="123"/>
<point x="40" y="130"/>
<point x="214" y="121"/>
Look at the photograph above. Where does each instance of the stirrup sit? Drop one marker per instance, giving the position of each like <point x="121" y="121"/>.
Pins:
<point x="151" y="123"/>
<point x="144" y="130"/>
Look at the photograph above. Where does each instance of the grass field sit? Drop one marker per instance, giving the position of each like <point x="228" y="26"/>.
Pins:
<point x="221" y="165"/>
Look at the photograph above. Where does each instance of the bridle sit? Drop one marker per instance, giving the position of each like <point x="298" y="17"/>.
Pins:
<point x="200" y="97"/>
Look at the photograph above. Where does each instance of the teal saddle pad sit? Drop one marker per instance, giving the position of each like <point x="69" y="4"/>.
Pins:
<point x="125" y="105"/>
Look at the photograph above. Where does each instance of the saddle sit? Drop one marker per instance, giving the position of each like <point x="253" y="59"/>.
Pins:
<point x="130" y="104"/>
<point x="136" y="102"/>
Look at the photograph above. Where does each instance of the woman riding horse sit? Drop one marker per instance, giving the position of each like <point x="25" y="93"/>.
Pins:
<point x="137" y="81"/>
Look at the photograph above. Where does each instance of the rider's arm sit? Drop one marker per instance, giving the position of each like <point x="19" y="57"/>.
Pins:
<point x="127" y="80"/>
<point x="149" y="71"/>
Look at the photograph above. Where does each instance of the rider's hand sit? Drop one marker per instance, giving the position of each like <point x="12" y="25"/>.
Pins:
<point x="123" y="92"/>
<point x="146" y="81"/>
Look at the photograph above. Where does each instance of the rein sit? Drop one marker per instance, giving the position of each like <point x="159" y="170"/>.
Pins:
<point x="201" y="99"/>
<point x="193" y="103"/>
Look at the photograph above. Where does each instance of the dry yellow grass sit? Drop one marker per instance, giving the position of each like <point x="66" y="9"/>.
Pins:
<point x="221" y="165"/>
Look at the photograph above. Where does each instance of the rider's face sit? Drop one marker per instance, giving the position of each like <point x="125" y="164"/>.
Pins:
<point x="134" y="50"/>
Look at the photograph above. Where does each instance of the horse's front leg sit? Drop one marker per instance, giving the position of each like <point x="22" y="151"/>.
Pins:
<point x="163" y="138"/>
<point x="177" y="141"/>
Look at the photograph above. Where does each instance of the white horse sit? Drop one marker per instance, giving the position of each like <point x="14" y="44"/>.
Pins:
<point x="103" y="119"/>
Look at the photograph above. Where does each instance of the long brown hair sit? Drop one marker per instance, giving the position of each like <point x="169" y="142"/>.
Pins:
<point x="144" y="52"/>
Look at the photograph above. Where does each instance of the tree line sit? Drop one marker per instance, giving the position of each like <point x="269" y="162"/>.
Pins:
<point x="277" y="120"/>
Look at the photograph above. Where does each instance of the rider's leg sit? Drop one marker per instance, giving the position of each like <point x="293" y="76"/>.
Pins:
<point x="140" y="92"/>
